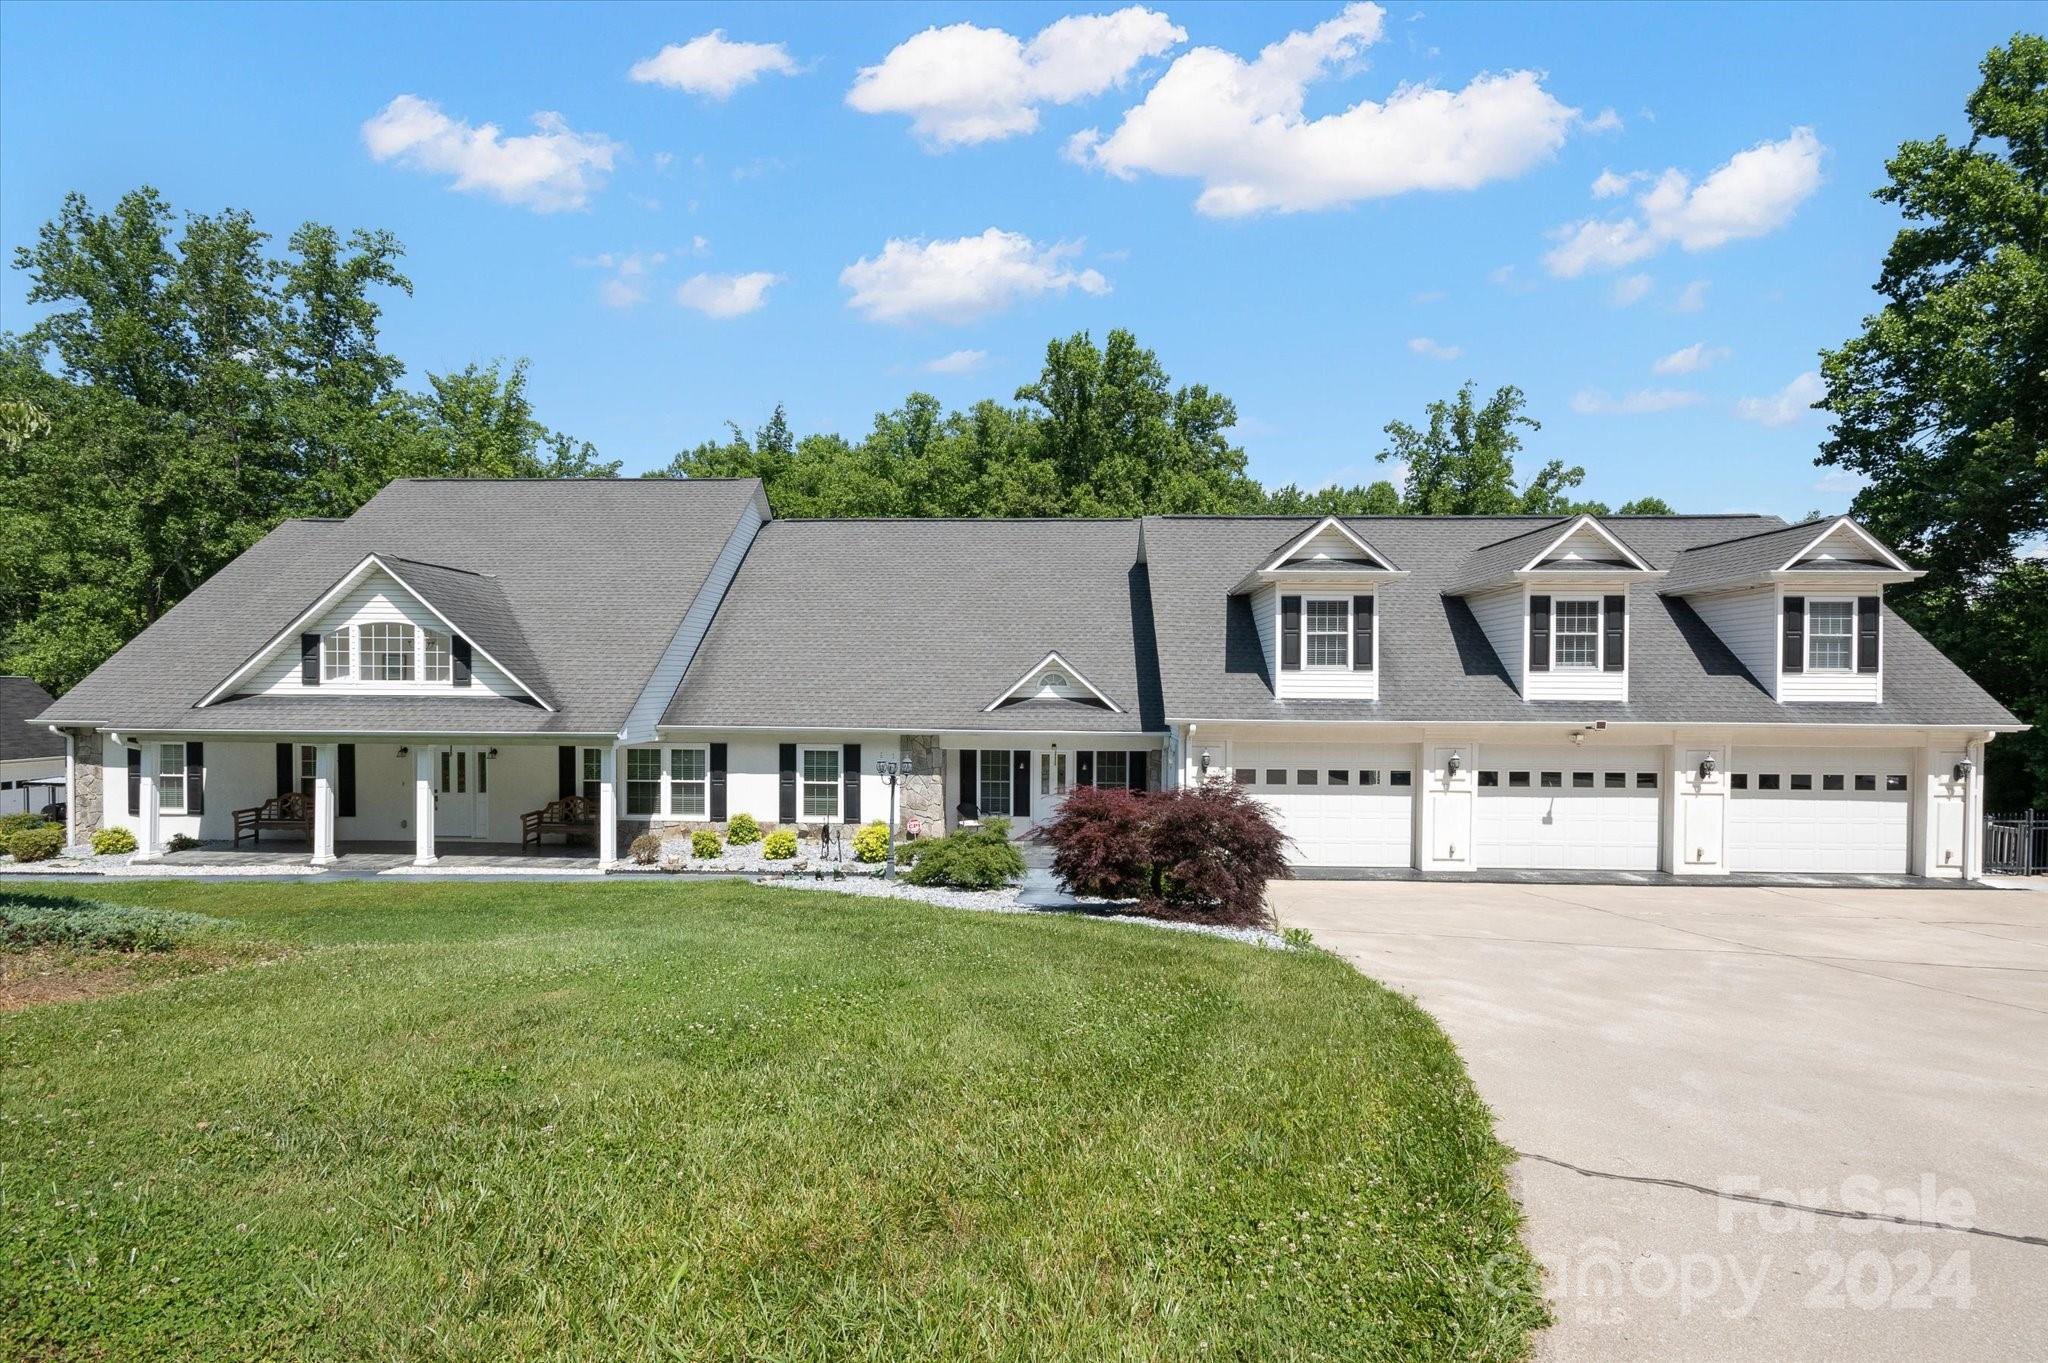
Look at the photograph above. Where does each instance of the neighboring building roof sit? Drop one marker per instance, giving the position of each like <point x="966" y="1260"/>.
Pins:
<point x="1436" y="664"/>
<point x="592" y="578"/>
<point x="22" y="735"/>
<point x="918" y="625"/>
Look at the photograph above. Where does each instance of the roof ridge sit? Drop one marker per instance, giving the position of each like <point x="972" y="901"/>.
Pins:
<point x="429" y="563"/>
<point x="1759" y="534"/>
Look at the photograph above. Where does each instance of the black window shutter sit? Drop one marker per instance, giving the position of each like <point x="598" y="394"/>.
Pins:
<point x="1539" y="634"/>
<point x="1361" y="633"/>
<point x="459" y="648"/>
<point x="345" y="779"/>
<point x="195" y="778"/>
<point x="718" y="782"/>
<point x="309" y="659"/>
<point x="1795" y="634"/>
<point x="787" y="807"/>
<point x="134" y="783"/>
<point x="1084" y="767"/>
<point x="849" y="783"/>
<point x="1137" y="768"/>
<point x="1866" y="634"/>
<point x="1614" y="622"/>
<point x="970" y="784"/>
<point x="287" y="769"/>
<point x="1290" y="634"/>
<point x="565" y="771"/>
<point x="1020" y="783"/>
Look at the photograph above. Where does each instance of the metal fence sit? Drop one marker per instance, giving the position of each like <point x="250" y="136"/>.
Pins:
<point x="2016" y="844"/>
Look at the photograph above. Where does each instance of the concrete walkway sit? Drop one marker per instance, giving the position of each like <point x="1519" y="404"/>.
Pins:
<point x="1786" y="1123"/>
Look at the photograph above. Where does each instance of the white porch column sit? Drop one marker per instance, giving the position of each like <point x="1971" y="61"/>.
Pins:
<point x="148" y="837"/>
<point x="608" y="805"/>
<point x="423" y="805"/>
<point x="1973" y="813"/>
<point x="324" y="762"/>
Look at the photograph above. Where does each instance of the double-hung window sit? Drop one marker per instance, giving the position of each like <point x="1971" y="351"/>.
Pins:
<point x="434" y="656"/>
<point x="593" y="773"/>
<point x="334" y="655"/>
<point x="1830" y="636"/>
<point x="995" y="782"/>
<point x="309" y="767"/>
<point x="387" y="652"/>
<point x="689" y="782"/>
<point x="170" y="778"/>
<point x="1326" y="629"/>
<point x="643" y="780"/>
<point x="1113" y="770"/>
<point x="820" y="776"/>
<point x="1578" y="634"/>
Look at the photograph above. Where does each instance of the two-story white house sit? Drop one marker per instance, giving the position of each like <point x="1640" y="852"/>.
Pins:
<point x="1681" y="694"/>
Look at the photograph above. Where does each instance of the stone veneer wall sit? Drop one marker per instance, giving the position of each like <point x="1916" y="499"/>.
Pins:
<point x="88" y="783"/>
<point x="923" y="796"/>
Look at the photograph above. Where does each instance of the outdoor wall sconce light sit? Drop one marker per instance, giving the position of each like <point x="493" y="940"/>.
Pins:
<point x="1964" y="768"/>
<point x="403" y="750"/>
<point x="1453" y="763"/>
<point x="1707" y="767"/>
<point x="494" y="754"/>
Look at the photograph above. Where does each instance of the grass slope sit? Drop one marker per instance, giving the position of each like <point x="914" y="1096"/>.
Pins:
<point x="458" y="1121"/>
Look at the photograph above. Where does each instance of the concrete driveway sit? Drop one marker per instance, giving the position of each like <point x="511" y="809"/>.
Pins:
<point x="1754" y="1123"/>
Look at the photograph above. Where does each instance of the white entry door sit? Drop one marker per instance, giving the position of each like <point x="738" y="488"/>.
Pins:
<point x="1055" y="775"/>
<point x="1575" y="809"/>
<point x="459" y="786"/>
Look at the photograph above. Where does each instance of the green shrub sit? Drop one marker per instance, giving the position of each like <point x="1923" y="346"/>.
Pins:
<point x="111" y="841"/>
<point x="38" y="844"/>
<point x="704" y="843"/>
<point x="10" y="824"/>
<point x="780" y="845"/>
<point x="646" y="849"/>
<point x="1301" y="939"/>
<point x="46" y="920"/>
<point x="871" y="842"/>
<point x="970" y="859"/>
<point x="181" y="842"/>
<point x="742" y="829"/>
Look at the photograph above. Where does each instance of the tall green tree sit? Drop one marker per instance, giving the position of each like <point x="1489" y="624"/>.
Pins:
<point x="1941" y="403"/>
<point x="1462" y="463"/>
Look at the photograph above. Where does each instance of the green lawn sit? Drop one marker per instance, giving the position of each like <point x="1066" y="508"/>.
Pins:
<point x="713" y="1121"/>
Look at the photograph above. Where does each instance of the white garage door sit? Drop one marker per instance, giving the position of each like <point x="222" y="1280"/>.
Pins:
<point x="1342" y="806"/>
<point x="1576" y="809"/>
<point x="1805" y="809"/>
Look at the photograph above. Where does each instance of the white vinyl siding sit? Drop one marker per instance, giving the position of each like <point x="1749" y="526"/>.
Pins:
<point x="1317" y="678"/>
<point x="1266" y="619"/>
<point x="1581" y="681"/>
<point x="1747" y="623"/>
<point x="1586" y="544"/>
<point x="1836" y="683"/>
<point x="1331" y="543"/>
<point x="376" y="599"/>
<point x="1503" y="615"/>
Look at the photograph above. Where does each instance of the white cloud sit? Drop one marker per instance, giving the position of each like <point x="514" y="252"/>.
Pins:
<point x="548" y="170"/>
<point x="627" y="286"/>
<point x="709" y="65"/>
<point x="1238" y="127"/>
<point x="1606" y="121"/>
<point x="1789" y="404"/>
<point x="1691" y="360"/>
<point x="1608" y="185"/>
<point x="1753" y="193"/>
<point x="1597" y="402"/>
<point x="1422" y="345"/>
<point x="963" y="84"/>
<point x="726" y="295"/>
<point x="962" y="279"/>
<point x="958" y="362"/>
<point x="1692" y="297"/>
<point x="1630" y="290"/>
<point x="1427" y="296"/>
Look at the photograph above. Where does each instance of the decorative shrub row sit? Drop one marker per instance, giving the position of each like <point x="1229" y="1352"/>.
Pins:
<point x="1203" y="853"/>
<point x="870" y="842"/>
<point x="110" y="842"/>
<point x="10" y="824"/>
<point x="39" y="843"/>
<point x="967" y="859"/>
<point x="86" y="924"/>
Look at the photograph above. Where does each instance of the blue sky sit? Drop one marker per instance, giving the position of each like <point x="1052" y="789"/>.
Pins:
<point x="829" y="206"/>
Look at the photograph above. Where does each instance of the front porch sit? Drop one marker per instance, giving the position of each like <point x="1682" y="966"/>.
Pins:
<point x="288" y="857"/>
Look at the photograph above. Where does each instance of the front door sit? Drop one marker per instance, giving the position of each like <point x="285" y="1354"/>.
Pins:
<point x="1053" y="777"/>
<point x="458" y="785"/>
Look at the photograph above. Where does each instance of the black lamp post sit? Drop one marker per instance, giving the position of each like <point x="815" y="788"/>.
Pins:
<point x="893" y="774"/>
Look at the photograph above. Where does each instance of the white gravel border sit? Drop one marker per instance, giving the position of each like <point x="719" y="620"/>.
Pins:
<point x="1006" y="901"/>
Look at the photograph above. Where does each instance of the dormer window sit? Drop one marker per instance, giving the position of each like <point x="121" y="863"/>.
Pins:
<point x="1326" y="630"/>
<point x="1830" y="636"/>
<point x="387" y="652"/>
<point x="335" y="656"/>
<point x="1578" y="634"/>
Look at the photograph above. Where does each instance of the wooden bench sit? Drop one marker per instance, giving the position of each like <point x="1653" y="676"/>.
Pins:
<point x="293" y="812"/>
<point x="571" y="816"/>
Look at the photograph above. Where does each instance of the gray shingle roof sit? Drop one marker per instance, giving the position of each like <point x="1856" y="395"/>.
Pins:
<point x="919" y="625"/>
<point x="1739" y="558"/>
<point x="593" y="575"/>
<point x="1436" y="663"/>
<point x="22" y="735"/>
<point x="477" y="608"/>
